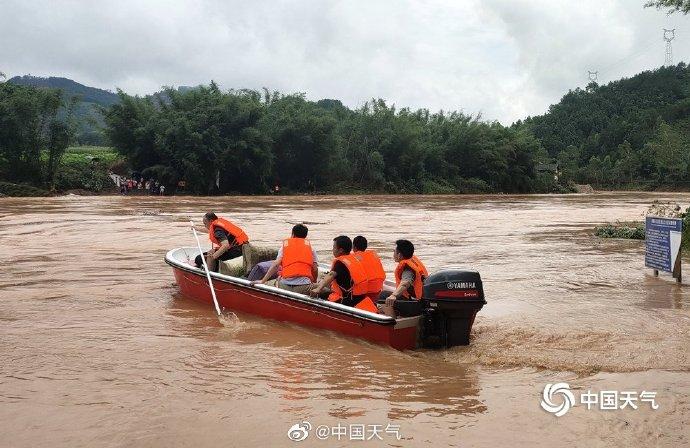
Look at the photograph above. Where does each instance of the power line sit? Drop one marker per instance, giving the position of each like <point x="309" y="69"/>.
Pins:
<point x="630" y="57"/>
<point x="608" y="69"/>
<point x="593" y="76"/>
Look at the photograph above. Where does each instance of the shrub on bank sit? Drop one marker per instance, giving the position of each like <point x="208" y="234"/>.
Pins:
<point x="636" y="230"/>
<point x="631" y="231"/>
<point x="20" y="190"/>
<point x="89" y="177"/>
<point x="83" y="175"/>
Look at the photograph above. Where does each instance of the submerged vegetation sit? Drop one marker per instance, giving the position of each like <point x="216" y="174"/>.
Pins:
<point x="11" y="189"/>
<point x="636" y="230"/>
<point x="631" y="230"/>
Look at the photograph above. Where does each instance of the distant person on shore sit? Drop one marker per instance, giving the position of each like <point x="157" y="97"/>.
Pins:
<point x="226" y="241"/>
<point x="162" y="190"/>
<point x="347" y="278"/>
<point x="409" y="277"/>
<point x="372" y="265"/>
<point x="297" y="262"/>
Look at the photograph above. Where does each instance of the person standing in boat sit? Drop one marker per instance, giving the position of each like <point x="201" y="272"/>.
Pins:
<point x="409" y="277"/>
<point x="372" y="266"/>
<point x="297" y="262"/>
<point x="226" y="241"/>
<point x="348" y="279"/>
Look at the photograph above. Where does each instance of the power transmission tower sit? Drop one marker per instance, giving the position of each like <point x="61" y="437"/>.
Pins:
<point x="669" y="35"/>
<point x="593" y="76"/>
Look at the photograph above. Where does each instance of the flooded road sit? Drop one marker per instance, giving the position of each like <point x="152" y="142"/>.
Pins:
<point x="99" y="349"/>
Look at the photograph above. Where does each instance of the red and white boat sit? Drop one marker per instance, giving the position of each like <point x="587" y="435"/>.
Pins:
<point x="442" y="320"/>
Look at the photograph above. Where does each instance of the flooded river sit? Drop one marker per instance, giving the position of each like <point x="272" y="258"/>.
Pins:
<point x="99" y="348"/>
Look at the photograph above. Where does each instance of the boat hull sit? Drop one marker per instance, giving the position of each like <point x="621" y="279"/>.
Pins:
<point x="269" y="303"/>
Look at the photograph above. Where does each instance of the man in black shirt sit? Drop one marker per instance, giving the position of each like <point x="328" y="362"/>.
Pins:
<point x="226" y="245"/>
<point x="340" y="273"/>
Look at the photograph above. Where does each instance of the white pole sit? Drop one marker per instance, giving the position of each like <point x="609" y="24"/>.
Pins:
<point x="208" y="274"/>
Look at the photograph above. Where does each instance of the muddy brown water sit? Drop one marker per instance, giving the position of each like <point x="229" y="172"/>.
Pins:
<point x="98" y="347"/>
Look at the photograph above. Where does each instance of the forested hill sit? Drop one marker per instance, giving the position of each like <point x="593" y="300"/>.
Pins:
<point x="632" y="131"/>
<point x="87" y="115"/>
<point x="70" y="88"/>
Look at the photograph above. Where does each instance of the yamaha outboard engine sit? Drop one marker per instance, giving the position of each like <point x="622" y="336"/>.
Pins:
<point x="451" y="300"/>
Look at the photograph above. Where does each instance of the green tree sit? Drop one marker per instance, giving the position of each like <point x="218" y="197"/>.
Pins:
<point x="617" y="120"/>
<point x="247" y="140"/>
<point x="206" y="137"/>
<point x="671" y="154"/>
<point x="303" y="142"/>
<point x="672" y="5"/>
<point x="628" y="164"/>
<point x="29" y="128"/>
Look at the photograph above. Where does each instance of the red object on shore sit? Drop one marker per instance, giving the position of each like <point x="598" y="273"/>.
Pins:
<point x="237" y="294"/>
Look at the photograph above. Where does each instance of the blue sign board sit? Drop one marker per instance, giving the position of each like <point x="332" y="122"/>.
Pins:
<point x="662" y="242"/>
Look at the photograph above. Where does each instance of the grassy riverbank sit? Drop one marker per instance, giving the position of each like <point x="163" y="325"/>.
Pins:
<point x="86" y="168"/>
<point x="82" y="168"/>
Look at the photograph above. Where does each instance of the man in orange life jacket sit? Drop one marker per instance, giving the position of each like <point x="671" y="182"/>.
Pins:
<point x="409" y="276"/>
<point x="226" y="241"/>
<point x="372" y="266"/>
<point x="298" y="263"/>
<point x="347" y="278"/>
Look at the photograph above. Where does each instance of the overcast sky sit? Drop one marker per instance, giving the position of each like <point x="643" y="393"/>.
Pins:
<point x="504" y="58"/>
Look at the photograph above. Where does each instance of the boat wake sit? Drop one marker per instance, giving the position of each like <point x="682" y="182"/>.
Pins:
<point x="580" y="351"/>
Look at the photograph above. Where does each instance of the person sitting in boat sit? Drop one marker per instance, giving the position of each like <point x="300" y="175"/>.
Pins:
<point x="297" y="262"/>
<point x="348" y="279"/>
<point x="226" y="241"/>
<point x="372" y="266"/>
<point x="409" y="277"/>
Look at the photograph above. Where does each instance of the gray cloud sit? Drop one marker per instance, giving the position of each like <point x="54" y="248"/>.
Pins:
<point x="504" y="58"/>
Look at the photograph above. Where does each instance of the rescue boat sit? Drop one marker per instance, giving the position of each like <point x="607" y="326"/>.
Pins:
<point x="444" y="319"/>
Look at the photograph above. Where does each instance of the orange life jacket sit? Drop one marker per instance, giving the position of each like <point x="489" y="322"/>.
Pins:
<point x="298" y="259"/>
<point x="367" y="304"/>
<point x="374" y="269"/>
<point x="357" y="274"/>
<point x="232" y="229"/>
<point x="420" y="273"/>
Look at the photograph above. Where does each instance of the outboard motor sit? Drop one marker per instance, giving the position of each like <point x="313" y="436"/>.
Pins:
<point x="451" y="300"/>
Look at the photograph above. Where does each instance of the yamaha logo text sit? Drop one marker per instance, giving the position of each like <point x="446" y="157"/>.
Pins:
<point x="461" y="285"/>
